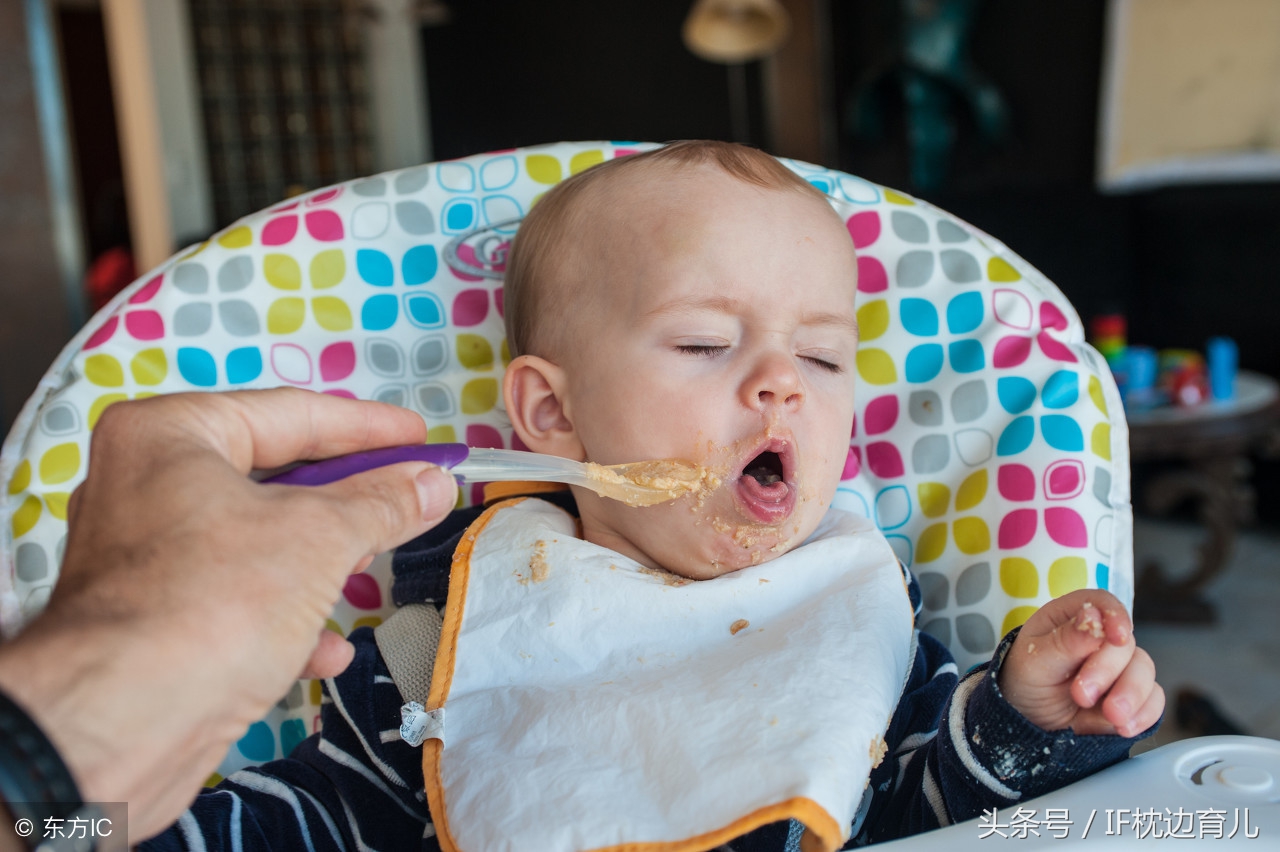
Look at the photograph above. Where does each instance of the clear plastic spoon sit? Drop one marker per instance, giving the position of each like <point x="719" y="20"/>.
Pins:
<point x="645" y="483"/>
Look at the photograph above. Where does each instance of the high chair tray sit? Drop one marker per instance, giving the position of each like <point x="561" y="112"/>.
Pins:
<point x="1200" y="790"/>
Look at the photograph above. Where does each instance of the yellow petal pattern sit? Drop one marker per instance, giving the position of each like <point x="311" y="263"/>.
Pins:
<point x="873" y="319"/>
<point x="972" y="490"/>
<point x="21" y="477"/>
<point x="934" y="498"/>
<point x="933" y="541"/>
<point x="1068" y="574"/>
<point x="1018" y="578"/>
<point x="59" y="464"/>
<point x="972" y="536"/>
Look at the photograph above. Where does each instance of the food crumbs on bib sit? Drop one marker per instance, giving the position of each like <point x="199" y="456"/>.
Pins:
<point x="879" y="748"/>
<point x="763" y="580"/>
<point x="667" y="578"/>
<point x="740" y="624"/>
<point x="538" y="568"/>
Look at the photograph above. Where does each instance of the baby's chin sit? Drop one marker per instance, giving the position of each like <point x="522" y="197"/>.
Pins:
<point x="712" y="548"/>
<point x="697" y="537"/>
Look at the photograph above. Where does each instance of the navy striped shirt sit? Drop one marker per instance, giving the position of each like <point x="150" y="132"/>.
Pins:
<point x="955" y="748"/>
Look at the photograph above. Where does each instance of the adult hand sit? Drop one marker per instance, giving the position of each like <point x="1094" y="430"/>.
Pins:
<point x="191" y="596"/>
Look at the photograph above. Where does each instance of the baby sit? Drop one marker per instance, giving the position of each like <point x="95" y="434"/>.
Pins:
<point x="695" y="302"/>
<point x="722" y="301"/>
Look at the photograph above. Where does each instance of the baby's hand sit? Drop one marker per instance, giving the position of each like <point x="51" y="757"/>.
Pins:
<point x="1075" y="665"/>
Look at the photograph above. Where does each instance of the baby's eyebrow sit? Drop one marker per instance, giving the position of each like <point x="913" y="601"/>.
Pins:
<point x="843" y="321"/>
<point x="690" y="304"/>
<point x="726" y="305"/>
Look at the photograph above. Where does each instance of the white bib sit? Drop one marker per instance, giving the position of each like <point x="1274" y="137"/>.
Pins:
<point x="591" y="703"/>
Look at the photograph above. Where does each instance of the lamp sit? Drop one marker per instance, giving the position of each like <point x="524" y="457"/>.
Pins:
<point x="732" y="33"/>
<point x="432" y="13"/>
<point x="735" y="31"/>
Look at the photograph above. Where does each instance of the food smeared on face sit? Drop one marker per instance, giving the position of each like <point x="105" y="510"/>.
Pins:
<point x="662" y="479"/>
<point x="727" y="338"/>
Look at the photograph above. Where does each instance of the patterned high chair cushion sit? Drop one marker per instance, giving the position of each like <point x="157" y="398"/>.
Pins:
<point x="989" y="445"/>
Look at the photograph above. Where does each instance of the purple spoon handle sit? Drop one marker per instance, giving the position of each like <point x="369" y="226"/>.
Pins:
<point x="340" y="467"/>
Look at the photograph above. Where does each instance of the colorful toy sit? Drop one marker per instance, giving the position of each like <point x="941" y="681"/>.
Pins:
<point x="1137" y="376"/>
<point x="1107" y="333"/>
<point x="1183" y="379"/>
<point x="1224" y="361"/>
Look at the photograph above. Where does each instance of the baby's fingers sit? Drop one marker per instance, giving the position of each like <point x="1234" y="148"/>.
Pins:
<point x="1102" y="670"/>
<point x="1135" y="700"/>
<point x="1069" y="630"/>
<point x="1150" y="713"/>
<point x="1094" y="721"/>
<point x="1097" y="622"/>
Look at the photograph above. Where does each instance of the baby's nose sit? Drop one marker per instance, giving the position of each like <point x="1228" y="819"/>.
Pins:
<point x="775" y="382"/>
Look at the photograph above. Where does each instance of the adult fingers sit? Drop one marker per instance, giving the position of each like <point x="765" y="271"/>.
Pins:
<point x="286" y="424"/>
<point x="254" y="429"/>
<point x="376" y="510"/>
<point x="330" y="657"/>
<point x="73" y="505"/>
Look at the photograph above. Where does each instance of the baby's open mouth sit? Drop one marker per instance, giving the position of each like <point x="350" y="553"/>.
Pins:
<point x="765" y="468"/>
<point x="764" y="490"/>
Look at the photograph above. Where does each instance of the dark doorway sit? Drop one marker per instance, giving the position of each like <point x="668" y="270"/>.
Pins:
<point x="100" y="178"/>
<point x="505" y="73"/>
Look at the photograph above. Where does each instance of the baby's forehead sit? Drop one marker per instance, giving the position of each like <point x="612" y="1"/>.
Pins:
<point x="634" y="205"/>
<point x="662" y="216"/>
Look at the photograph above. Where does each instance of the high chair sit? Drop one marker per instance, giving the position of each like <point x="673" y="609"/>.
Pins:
<point x="989" y="444"/>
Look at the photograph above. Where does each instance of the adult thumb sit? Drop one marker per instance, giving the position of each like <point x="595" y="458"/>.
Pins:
<point x="385" y="507"/>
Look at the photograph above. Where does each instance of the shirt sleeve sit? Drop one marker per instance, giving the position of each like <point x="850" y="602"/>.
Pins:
<point x="355" y="786"/>
<point x="957" y="747"/>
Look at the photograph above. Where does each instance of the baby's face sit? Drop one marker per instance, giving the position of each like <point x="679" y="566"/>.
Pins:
<point x="724" y="334"/>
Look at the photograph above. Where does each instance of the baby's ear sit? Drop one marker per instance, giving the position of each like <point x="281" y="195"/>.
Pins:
<point x="534" y="392"/>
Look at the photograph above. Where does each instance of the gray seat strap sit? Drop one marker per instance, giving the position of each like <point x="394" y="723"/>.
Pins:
<point x="408" y="641"/>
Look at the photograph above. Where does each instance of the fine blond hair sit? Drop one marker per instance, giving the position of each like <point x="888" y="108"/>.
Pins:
<point x="532" y="290"/>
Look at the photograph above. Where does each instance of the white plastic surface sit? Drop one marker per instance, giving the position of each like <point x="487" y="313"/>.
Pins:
<point x="1195" y="788"/>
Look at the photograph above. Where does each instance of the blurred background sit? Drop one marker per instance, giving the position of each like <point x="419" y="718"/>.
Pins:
<point x="1130" y="149"/>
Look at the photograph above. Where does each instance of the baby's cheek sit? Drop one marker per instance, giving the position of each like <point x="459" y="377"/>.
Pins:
<point x="740" y="544"/>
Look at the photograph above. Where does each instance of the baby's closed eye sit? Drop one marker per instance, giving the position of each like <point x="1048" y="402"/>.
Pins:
<point x="704" y="350"/>
<point x="825" y="362"/>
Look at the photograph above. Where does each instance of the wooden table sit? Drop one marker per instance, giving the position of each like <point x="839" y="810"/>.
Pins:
<point x="1214" y="442"/>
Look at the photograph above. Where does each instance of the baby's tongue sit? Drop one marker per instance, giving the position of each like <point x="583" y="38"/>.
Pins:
<point x="771" y="490"/>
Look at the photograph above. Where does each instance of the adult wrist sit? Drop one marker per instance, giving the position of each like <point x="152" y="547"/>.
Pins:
<point x="35" y="783"/>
